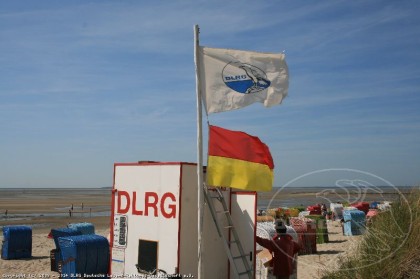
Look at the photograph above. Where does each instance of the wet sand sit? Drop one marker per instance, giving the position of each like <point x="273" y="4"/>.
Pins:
<point x="44" y="209"/>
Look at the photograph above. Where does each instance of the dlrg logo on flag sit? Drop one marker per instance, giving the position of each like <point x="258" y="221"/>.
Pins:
<point x="252" y="81"/>
<point x="232" y="79"/>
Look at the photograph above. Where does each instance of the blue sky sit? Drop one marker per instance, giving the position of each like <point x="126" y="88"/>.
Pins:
<point x="85" y="84"/>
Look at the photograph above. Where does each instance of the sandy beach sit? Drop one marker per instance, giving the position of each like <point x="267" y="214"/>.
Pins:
<point x="328" y="254"/>
<point x="32" y="208"/>
<point x="309" y="266"/>
<point x="39" y="265"/>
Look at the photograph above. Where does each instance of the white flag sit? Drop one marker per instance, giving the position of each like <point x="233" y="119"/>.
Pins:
<point x="233" y="79"/>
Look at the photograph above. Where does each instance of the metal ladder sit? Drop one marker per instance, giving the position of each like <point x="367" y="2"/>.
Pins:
<point x="226" y="243"/>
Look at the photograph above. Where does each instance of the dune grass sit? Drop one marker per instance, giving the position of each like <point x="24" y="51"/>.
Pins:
<point x="390" y="247"/>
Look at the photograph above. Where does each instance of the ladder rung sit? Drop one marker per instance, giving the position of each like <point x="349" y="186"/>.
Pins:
<point x="223" y="211"/>
<point x="240" y="256"/>
<point x="233" y="241"/>
<point x="228" y="227"/>
<point x="245" y="272"/>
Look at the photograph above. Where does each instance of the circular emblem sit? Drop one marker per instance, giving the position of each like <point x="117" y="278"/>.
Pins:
<point x="244" y="78"/>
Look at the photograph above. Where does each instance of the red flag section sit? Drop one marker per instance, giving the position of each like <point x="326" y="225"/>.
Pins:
<point x="238" y="160"/>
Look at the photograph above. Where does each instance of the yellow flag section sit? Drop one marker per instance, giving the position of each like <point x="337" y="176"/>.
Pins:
<point x="238" y="160"/>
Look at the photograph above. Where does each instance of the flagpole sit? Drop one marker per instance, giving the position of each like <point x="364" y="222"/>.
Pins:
<point x="199" y="150"/>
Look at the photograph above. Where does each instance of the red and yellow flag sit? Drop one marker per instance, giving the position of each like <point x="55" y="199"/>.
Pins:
<point x="238" y="160"/>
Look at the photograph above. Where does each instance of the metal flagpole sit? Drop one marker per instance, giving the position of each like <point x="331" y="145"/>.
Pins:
<point x="199" y="150"/>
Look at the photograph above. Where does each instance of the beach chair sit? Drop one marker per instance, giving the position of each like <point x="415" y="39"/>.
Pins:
<point x="321" y="228"/>
<point x="55" y="254"/>
<point x="84" y="254"/>
<point x="306" y="230"/>
<point x="354" y="222"/>
<point x="17" y="242"/>
<point x="84" y="228"/>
